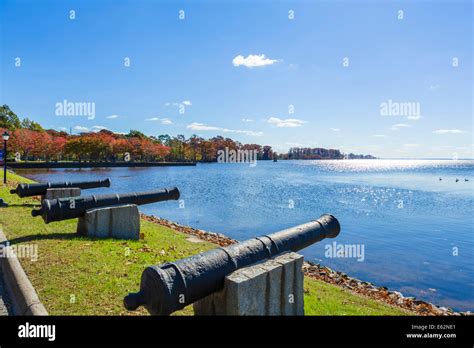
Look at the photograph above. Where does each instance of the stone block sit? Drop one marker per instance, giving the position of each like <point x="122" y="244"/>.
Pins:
<point x="120" y="222"/>
<point x="54" y="193"/>
<point x="272" y="287"/>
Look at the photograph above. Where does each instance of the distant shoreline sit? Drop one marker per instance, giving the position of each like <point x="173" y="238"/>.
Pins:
<point x="49" y="165"/>
<point x="75" y="164"/>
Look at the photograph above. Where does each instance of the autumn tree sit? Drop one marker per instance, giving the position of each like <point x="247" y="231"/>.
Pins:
<point x="23" y="141"/>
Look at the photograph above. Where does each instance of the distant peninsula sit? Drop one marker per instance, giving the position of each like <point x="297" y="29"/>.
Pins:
<point x="319" y="153"/>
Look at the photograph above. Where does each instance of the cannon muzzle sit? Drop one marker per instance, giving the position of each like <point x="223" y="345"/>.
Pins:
<point x="172" y="286"/>
<point x="35" y="213"/>
<point x="28" y="190"/>
<point x="73" y="207"/>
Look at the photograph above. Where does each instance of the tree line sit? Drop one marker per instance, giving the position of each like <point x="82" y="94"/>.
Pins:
<point x="31" y="142"/>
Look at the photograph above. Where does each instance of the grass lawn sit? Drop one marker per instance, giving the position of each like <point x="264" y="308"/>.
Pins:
<point x="83" y="276"/>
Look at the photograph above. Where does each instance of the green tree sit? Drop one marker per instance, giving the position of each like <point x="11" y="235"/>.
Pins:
<point x="31" y="125"/>
<point x="8" y="119"/>
<point x="136" y="134"/>
<point x="267" y="153"/>
<point x="165" y="139"/>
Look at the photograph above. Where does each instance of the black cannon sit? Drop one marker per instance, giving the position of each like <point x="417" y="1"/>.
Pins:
<point x="172" y="286"/>
<point x="28" y="190"/>
<point x="73" y="207"/>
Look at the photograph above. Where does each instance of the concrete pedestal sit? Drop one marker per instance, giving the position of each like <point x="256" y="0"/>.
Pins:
<point x="120" y="222"/>
<point x="54" y="193"/>
<point x="273" y="287"/>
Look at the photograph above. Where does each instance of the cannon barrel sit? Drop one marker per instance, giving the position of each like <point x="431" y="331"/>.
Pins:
<point x="172" y="286"/>
<point x="73" y="207"/>
<point x="28" y="190"/>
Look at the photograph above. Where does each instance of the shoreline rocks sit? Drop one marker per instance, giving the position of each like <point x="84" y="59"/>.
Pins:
<point x="327" y="275"/>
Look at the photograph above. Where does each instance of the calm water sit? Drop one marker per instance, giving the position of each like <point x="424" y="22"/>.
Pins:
<point x="408" y="221"/>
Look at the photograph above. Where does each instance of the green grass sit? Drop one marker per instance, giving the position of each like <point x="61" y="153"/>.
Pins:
<point x="83" y="276"/>
<point x="325" y="299"/>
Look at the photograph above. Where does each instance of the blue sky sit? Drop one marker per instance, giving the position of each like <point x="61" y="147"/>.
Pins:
<point x="210" y="65"/>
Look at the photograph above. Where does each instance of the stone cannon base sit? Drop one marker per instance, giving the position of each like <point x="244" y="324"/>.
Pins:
<point x="54" y="193"/>
<point x="273" y="287"/>
<point x="120" y="222"/>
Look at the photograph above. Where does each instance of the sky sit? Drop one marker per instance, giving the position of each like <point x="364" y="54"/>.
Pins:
<point x="389" y="78"/>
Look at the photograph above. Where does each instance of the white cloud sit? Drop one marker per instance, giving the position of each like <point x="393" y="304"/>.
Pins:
<point x="379" y="135"/>
<point x="396" y="127"/>
<point x="296" y="144"/>
<point x="246" y="132"/>
<point x="293" y="66"/>
<point x="253" y="60"/>
<point x="286" y="123"/>
<point x="81" y="129"/>
<point x="183" y="104"/>
<point x="162" y="120"/>
<point x="335" y="129"/>
<point x="411" y="145"/>
<point x="247" y="120"/>
<point x="434" y="87"/>
<point x="204" y="127"/>
<point x="201" y="127"/>
<point x="414" y="117"/>
<point x="449" y="131"/>
<point x="291" y="143"/>
<point x="111" y="117"/>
